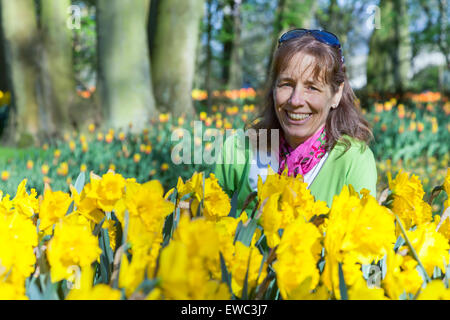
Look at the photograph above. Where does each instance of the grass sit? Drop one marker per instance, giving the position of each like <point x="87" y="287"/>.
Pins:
<point x="7" y="153"/>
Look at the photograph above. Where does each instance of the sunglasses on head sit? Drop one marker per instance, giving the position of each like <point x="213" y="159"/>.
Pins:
<point x="320" y="35"/>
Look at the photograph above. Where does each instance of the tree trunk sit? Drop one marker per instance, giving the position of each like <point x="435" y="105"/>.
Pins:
<point x="443" y="33"/>
<point x="227" y="33"/>
<point x="4" y="86"/>
<point x="402" y="57"/>
<point x="389" y="59"/>
<point x="59" y="92"/>
<point x="208" y="62"/>
<point x="21" y="40"/>
<point x="235" y="73"/>
<point x="173" y="60"/>
<point x="124" y="76"/>
<point x="152" y="23"/>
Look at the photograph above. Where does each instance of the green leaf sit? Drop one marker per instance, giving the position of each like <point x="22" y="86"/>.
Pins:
<point x="106" y="257"/>
<point x="234" y="202"/>
<point x="104" y="270"/>
<point x="147" y="286"/>
<point x="167" y="230"/>
<point x="49" y="291"/>
<point x="437" y="274"/>
<point x="239" y="227"/>
<point x="272" y="290"/>
<point x="98" y="228"/>
<point x="244" y="295"/>
<point x="70" y="209"/>
<point x="246" y="233"/>
<point x="247" y="201"/>
<point x="234" y="199"/>
<point x="107" y="245"/>
<point x="400" y="241"/>
<point x="226" y="276"/>
<point x="342" y="285"/>
<point x="79" y="183"/>
<point x="321" y="265"/>
<point x="33" y="292"/>
<point x="435" y="193"/>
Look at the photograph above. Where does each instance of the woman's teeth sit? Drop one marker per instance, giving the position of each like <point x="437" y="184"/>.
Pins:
<point x="297" y="116"/>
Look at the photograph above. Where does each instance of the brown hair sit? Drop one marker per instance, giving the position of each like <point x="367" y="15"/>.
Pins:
<point x="345" y="119"/>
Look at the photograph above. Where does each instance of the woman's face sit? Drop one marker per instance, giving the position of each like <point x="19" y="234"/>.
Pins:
<point x="302" y="104"/>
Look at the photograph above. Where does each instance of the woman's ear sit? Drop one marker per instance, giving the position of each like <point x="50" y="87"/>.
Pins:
<point x="338" y="95"/>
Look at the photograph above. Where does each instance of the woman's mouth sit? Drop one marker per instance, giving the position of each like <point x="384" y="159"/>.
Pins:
<point x="298" y="117"/>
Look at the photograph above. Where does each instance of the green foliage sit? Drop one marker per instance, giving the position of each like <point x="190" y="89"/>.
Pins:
<point x="85" y="44"/>
<point x="425" y="79"/>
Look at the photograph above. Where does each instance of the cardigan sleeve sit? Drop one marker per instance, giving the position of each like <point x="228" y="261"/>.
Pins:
<point x="222" y="171"/>
<point x="231" y="163"/>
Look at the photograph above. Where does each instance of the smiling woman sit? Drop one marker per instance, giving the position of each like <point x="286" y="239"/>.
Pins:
<point x="323" y="136"/>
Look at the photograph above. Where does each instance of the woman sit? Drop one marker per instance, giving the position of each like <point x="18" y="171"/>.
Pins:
<point x="322" y="134"/>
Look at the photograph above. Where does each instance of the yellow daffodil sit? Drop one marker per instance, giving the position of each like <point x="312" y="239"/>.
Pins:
<point x="216" y="203"/>
<point x="283" y="199"/>
<point x="300" y="239"/>
<point x="18" y="238"/>
<point x="304" y="292"/>
<point x="184" y="277"/>
<point x="247" y="260"/>
<point x="72" y="245"/>
<point x="358" y="231"/>
<point x="54" y="206"/>
<point x="431" y="246"/>
<point x="402" y="276"/>
<point x="446" y="186"/>
<point x="24" y="203"/>
<point x="361" y="291"/>
<point x="84" y="290"/>
<point x="408" y="201"/>
<point x="435" y="290"/>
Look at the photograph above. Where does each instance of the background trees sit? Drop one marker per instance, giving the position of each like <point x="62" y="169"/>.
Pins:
<point x="389" y="62"/>
<point x="21" y="44"/>
<point x="57" y="76"/>
<point x="124" y="77"/>
<point x="131" y="59"/>
<point x="173" y="53"/>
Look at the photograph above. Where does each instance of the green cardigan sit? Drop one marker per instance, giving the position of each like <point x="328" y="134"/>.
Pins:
<point x="356" y="167"/>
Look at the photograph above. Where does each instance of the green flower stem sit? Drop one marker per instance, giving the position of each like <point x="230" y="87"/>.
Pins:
<point x="414" y="253"/>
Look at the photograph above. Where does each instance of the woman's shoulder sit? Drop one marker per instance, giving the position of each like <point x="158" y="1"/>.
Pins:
<point x="350" y="147"/>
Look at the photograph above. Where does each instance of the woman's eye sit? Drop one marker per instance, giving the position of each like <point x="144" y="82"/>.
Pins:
<point x="313" y="88"/>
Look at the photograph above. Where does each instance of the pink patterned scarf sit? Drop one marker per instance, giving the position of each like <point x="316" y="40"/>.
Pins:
<point x="302" y="159"/>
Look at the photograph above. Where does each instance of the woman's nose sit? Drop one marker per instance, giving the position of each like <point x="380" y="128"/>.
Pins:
<point x="297" y="97"/>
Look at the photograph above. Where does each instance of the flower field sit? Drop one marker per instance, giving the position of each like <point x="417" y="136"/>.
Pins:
<point x="108" y="215"/>
<point x="114" y="238"/>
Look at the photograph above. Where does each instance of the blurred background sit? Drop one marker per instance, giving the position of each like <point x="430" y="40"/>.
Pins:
<point x="104" y="84"/>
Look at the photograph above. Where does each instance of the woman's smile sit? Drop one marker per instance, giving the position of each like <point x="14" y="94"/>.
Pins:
<point x="298" y="118"/>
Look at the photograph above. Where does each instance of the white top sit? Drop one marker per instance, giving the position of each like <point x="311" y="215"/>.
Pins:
<point x="259" y="169"/>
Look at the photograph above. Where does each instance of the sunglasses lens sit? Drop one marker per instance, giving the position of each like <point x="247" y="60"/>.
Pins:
<point x="327" y="37"/>
<point x="320" y="35"/>
<point x="291" y="35"/>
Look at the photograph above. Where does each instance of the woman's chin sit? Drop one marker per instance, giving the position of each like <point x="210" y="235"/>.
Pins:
<point x="293" y="134"/>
